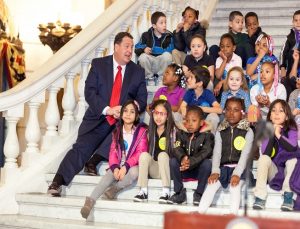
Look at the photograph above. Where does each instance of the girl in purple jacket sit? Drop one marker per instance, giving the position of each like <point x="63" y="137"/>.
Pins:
<point x="279" y="157"/>
<point x="129" y="141"/>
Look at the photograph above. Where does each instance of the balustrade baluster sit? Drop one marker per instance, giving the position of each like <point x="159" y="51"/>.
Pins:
<point x="82" y="104"/>
<point x="99" y="52"/>
<point x="68" y="104"/>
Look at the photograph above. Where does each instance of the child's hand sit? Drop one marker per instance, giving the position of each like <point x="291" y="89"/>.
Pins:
<point x="296" y="55"/>
<point x="298" y="83"/>
<point x="147" y="50"/>
<point x="116" y="173"/>
<point x="235" y="180"/>
<point x="218" y="88"/>
<point x="185" y="69"/>
<point x="185" y="163"/>
<point x="277" y="130"/>
<point x="296" y="111"/>
<point x="223" y="56"/>
<point x="262" y="53"/>
<point x="179" y="27"/>
<point x="122" y="172"/>
<point x="186" y="26"/>
<point x="213" y="178"/>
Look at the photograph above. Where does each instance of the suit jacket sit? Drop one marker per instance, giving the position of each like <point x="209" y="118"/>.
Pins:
<point x="98" y="89"/>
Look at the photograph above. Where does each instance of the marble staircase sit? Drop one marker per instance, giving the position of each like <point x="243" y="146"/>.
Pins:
<point x="275" y="18"/>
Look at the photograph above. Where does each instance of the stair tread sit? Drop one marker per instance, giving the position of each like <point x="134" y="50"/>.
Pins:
<point x="148" y="208"/>
<point x="48" y="223"/>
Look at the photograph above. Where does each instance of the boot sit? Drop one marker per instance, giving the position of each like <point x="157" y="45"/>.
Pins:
<point x="88" y="206"/>
<point x="111" y="192"/>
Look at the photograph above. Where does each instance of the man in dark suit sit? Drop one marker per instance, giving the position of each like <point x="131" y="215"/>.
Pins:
<point x="110" y="77"/>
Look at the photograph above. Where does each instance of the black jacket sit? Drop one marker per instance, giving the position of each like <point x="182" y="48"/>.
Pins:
<point x="198" y="148"/>
<point x="182" y="39"/>
<point x="148" y="40"/>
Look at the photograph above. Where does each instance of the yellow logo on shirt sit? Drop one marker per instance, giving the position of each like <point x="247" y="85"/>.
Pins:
<point x="163" y="97"/>
<point x="162" y="143"/>
<point x="273" y="152"/>
<point x="177" y="144"/>
<point x="239" y="142"/>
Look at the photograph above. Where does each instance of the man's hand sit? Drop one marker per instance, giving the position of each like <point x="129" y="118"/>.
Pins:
<point x="114" y="111"/>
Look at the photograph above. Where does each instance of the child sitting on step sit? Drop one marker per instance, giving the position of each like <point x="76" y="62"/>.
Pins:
<point x="268" y="87"/>
<point x="235" y="85"/>
<point x="129" y="141"/>
<point x="155" y="164"/>
<point x="192" y="153"/>
<point x="280" y="153"/>
<point x="264" y="47"/>
<point x="188" y="27"/>
<point x="173" y="91"/>
<point x="233" y="142"/>
<point x="199" y="57"/>
<point x="226" y="60"/>
<point x="197" y="94"/>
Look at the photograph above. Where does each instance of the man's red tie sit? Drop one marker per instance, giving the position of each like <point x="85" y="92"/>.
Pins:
<point x="115" y="95"/>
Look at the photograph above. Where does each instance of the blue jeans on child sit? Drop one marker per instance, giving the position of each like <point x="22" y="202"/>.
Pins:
<point x="201" y="173"/>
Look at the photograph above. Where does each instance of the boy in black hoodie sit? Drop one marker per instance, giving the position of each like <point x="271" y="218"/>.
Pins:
<point x="184" y="32"/>
<point x="192" y="153"/>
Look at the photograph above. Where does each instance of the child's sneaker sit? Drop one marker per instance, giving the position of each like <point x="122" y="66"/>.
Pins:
<point x="163" y="199"/>
<point x="178" y="198"/>
<point x="196" y="198"/>
<point x="288" y="202"/>
<point x="259" y="204"/>
<point x="141" y="197"/>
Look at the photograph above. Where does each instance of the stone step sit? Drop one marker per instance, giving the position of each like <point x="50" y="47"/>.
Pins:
<point x="247" y="5"/>
<point x="120" y="211"/>
<point x="83" y="186"/>
<point x="271" y="11"/>
<point x="263" y="21"/>
<point x="272" y="30"/>
<point x="30" y="222"/>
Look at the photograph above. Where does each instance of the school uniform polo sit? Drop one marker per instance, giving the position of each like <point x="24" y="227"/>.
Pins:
<point x="206" y="99"/>
<point x="173" y="97"/>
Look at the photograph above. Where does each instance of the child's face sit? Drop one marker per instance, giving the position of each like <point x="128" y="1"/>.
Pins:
<point x="129" y="114"/>
<point x="189" y="17"/>
<point x="191" y="82"/>
<point x="235" y="81"/>
<point x="197" y="47"/>
<point x="296" y="22"/>
<point x="236" y="24"/>
<point x="277" y="114"/>
<point x="227" y="47"/>
<point x="161" y="25"/>
<point x="193" y="122"/>
<point x="262" y="44"/>
<point x="160" y="115"/>
<point x="233" y="113"/>
<point x="169" y="77"/>
<point x="251" y="24"/>
<point x="267" y="74"/>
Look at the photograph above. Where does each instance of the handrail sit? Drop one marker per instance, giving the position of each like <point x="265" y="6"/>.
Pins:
<point x="67" y="57"/>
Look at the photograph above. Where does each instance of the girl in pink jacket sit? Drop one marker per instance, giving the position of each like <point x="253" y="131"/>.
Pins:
<point x="129" y="141"/>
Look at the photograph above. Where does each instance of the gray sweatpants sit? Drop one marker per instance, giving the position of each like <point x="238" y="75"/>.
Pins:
<point x="108" y="180"/>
